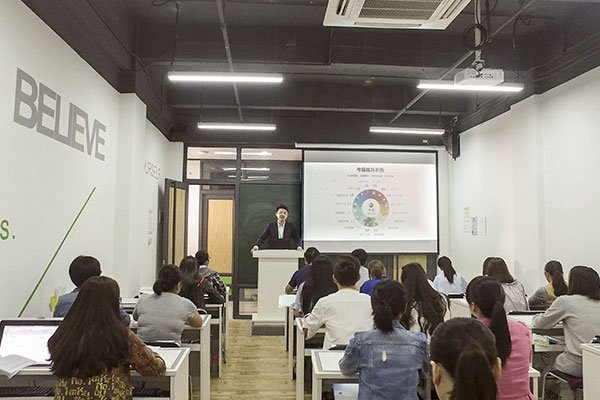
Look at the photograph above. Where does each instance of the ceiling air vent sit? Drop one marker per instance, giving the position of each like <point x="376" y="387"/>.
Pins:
<point x="393" y="14"/>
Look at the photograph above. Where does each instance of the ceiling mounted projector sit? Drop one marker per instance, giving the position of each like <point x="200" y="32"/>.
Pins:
<point x="483" y="77"/>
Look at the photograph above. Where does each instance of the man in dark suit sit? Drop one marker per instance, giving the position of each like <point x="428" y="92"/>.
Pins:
<point x="280" y="229"/>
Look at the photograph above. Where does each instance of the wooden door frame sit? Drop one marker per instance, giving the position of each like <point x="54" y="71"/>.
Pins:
<point x="203" y="234"/>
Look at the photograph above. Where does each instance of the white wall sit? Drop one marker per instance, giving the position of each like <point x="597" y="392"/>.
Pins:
<point x="531" y="173"/>
<point x="45" y="182"/>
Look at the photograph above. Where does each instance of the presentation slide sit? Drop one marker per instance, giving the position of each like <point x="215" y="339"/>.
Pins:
<point x="384" y="202"/>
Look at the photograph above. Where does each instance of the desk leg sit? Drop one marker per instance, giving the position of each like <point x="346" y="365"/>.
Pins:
<point x="205" y="364"/>
<point x="317" y="387"/>
<point x="286" y="328"/>
<point x="179" y="385"/>
<point x="534" y="384"/>
<point x="299" y="364"/>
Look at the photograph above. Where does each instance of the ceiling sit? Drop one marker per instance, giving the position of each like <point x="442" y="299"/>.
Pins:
<point x="338" y="81"/>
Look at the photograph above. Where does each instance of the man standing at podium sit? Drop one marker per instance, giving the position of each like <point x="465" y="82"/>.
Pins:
<point x="280" y="229"/>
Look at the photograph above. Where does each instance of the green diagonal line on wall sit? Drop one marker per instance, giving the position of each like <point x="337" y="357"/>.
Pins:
<point x="37" y="285"/>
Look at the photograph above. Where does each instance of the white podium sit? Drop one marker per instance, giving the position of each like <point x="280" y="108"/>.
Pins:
<point x="275" y="267"/>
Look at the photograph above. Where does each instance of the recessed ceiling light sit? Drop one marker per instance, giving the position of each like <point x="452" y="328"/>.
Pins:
<point x="236" y="126"/>
<point x="410" y="131"/>
<point x="223" y="77"/>
<point x="450" y="85"/>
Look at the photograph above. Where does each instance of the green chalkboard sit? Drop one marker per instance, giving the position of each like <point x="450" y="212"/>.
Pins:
<point x="257" y="209"/>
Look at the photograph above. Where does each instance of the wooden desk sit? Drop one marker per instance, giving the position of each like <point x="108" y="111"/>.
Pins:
<point x="218" y="333"/>
<point x="459" y="308"/>
<point x="591" y="366"/>
<point x="175" y="379"/>
<point x="557" y="330"/>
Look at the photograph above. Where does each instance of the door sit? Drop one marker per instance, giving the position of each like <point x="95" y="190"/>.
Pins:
<point x="174" y="222"/>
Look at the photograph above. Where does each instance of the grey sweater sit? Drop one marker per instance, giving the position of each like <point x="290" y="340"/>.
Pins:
<point x="581" y="320"/>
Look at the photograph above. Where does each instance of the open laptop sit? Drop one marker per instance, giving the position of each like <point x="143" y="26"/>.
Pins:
<point x="27" y="338"/>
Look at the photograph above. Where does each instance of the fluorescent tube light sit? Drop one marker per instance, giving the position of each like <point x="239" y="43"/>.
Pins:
<point x="224" y="153"/>
<point x="223" y="77"/>
<point x="449" y="85"/>
<point x="256" y="153"/>
<point x="410" y="131"/>
<point x="247" y="169"/>
<point x="235" y="127"/>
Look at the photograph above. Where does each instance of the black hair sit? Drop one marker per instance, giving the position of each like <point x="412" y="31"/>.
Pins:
<point x="188" y="266"/>
<point x="91" y="339"/>
<point x="388" y="300"/>
<point x="445" y="265"/>
<point x="555" y="270"/>
<point x="431" y="306"/>
<point x="486" y="263"/>
<point x="487" y="294"/>
<point x="202" y="257"/>
<point x="466" y="349"/>
<point x="168" y="277"/>
<point x="498" y="270"/>
<point x="310" y="254"/>
<point x="83" y="268"/>
<point x="282" y="206"/>
<point x="361" y="255"/>
<point x="585" y="282"/>
<point x="318" y="284"/>
<point x="346" y="270"/>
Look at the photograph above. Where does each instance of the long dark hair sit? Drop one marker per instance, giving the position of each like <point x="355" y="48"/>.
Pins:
<point x="431" y="306"/>
<point x="318" y="284"/>
<point x="486" y="263"/>
<point x="388" y="301"/>
<point x="498" y="270"/>
<point x="190" y="281"/>
<point x="555" y="270"/>
<point x="585" y="282"/>
<point x="91" y="339"/>
<point x="487" y="294"/>
<point x="466" y="349"/>
<point x="168" y="277"/>
<point x="445" y="265"/>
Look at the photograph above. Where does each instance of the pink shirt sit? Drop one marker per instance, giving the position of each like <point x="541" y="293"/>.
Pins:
<point x="514" y="383"/>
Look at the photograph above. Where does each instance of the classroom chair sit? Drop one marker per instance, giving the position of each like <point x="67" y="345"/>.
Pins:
<point x="573" y="382"/>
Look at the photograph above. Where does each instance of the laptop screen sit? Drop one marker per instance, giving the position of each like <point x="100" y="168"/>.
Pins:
<point x="29" y="341"/>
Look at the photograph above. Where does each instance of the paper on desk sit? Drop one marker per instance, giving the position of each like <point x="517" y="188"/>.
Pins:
<point x="330" y="361"/>
<point x="11" y="364"/>
<point x="286" y="300"/>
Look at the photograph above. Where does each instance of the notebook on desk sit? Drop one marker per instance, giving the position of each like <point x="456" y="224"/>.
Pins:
<point x="27" y="338"/>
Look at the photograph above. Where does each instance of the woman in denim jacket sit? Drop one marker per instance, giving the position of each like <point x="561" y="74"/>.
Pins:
<point x="388" y="359"/>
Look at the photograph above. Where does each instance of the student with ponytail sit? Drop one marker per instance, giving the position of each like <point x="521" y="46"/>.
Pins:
<point x="464" y="364"/>
<point x="513" y="339"/>
<point x="164" y="314"/>
<point x="545" y="296"/>
<point x="388" y="359"/>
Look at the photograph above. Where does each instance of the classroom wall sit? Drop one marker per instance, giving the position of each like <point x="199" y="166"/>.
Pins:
<point x="530" y="174"/>
<point x="66" y="136"/>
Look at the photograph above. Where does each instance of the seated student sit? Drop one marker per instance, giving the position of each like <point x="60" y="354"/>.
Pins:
<point x="427" y="307"/>
<point x="515" y="292"/>
<point x="464" y="364"/>
<point x="193" y="287"/>
<point x="81" y="269"/>
<point x="376" y="275"/>
<point x="448" y="281"/>
<point x="318" y="284"/>
<point x="361" y="256"/>
<point x="344" y="312"/>
<point x="300" y="276"/>
<point x="545" y="296"/>
<point x="387" y="359"/>
<point x="579" y="311"/>
<point x="513" y="339"/>
<point x="91" y="351"/>
<point x="164" y="314"/>
<point x="486" y="263"/>
<point x="213" y="277"/>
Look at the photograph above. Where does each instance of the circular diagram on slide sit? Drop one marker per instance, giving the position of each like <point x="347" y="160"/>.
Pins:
<point x="370" y="208"/>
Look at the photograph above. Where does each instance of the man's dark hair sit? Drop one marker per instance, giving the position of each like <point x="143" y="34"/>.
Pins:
<point x="310" y="254"/>
<point x="346" y="270"/>
<point x="361" y="255"/>
<point x="82" y="268"/>
<point x="282" y="206"/>
<point x="202" y="257"/>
